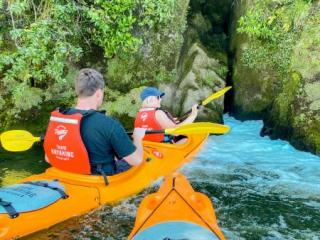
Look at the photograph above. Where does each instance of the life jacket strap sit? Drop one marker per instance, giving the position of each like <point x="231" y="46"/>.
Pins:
<point x="9" y="208"/>
<point x="86" y="113"/>
<point x="99" y="169"/>
<point x="46" y="185"/>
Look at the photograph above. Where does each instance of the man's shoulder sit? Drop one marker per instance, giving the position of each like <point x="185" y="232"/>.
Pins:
<point x="101" y="116"/>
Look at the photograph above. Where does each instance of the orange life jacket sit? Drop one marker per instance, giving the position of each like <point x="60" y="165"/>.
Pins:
<point x="63" y="144"/>
<point x="146" y="118"/>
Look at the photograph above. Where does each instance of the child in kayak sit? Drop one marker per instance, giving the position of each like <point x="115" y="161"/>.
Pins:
<point x="152" y="117"/>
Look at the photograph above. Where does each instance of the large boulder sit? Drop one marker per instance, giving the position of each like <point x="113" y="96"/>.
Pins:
<point x="198" y="80"/>
<point x="202" y="67"/>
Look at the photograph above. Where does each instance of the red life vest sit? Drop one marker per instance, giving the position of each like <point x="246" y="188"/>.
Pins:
<point x="63" y="144"/>
<point x="146" y="118"/>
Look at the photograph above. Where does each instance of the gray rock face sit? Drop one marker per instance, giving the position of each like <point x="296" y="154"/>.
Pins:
<point x="199" y="80"/>
<point x="313" y="95"/>
<point x="202" y="66"/>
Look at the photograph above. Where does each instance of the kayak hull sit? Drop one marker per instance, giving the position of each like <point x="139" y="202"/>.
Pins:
<point x="89" y="192"/>
<point x="176" y="204"/>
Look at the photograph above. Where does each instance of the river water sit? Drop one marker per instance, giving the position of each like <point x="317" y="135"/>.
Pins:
<point x="261" y="189"/>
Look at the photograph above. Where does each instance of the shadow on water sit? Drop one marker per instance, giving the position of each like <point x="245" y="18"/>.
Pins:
<point x="17" y="165"/>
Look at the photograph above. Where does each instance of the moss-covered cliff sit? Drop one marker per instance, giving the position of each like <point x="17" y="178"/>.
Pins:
<point x="276" y="68"/>
<point x="203" y="63"/>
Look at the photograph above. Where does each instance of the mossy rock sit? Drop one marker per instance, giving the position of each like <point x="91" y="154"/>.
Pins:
<point x="254" y="91"/>
<point x="198" y="80"/>
<point x="289" y="103"/>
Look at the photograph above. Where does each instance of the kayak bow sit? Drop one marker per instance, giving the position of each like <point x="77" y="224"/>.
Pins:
<point x="176" y="211"/>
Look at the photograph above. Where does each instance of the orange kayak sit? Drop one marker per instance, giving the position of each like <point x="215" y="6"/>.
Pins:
<point x="176" y="211"/>
<point x="86" y="193"/>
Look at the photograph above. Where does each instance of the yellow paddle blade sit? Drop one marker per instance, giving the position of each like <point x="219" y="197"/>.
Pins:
<point x="215" y="96"/>
<point x="17" y="140"/>
<point x="199" y="128"/>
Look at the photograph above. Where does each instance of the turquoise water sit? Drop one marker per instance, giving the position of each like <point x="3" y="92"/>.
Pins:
<point x="261" y="189"/>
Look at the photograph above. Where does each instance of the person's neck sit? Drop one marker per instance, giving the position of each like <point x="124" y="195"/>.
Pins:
<point x="86" y="104"/>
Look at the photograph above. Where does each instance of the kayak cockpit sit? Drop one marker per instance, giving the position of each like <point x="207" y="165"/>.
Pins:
<point x="176" y="230"/>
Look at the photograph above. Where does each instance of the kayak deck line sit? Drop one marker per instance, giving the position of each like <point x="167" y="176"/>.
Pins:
<point x="88" y="192"/>
<point x="175" y="202"/>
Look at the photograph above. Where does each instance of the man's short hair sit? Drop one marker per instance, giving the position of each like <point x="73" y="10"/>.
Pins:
<point x="88" y="82"/>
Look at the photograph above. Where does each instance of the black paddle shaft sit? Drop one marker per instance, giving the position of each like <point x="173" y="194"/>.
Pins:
<point x="149" y="132"/>
<point x="186" y="115"/>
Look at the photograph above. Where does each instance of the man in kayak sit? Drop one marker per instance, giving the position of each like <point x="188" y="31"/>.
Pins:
<point x="152" y="117"/>
<point x="93" y="146"/>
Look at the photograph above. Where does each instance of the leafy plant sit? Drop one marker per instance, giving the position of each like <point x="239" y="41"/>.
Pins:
<point x="42" y="42"/>
<point x="273" y="28"/>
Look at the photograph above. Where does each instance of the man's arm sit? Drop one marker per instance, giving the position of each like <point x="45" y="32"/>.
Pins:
<point x="136" y="157"/>
<point x="123" y="146"/>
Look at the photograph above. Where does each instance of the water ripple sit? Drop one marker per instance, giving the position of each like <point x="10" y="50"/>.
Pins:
<point x="262" y="189"/>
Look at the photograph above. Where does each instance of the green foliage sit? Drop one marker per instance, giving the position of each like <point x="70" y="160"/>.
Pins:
<point x="150" y="10"/>
<point x="129" y="72"/>
<point x="273" y="27"/>
<point x="222" y="71"/>
<point x="155" y="59"/>
<point x="284" y="102"/>
<point x="125" y="103"/>
<point x="43" y="44"/>
<point x="41" y="41"/>
<point x="113" y="24"/>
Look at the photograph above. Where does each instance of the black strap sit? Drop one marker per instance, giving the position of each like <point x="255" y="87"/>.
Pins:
<point x="99" y="169"/>
<point x="46" y="185"/>
<point x="168" y="114"/>
<point x="85" y="113"/>
<point x="102" y="111"/>
<point x="9" y="208"/>
<point x="88" y="112"/>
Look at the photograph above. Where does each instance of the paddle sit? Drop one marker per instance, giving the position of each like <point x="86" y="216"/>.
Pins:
<point x="21" y="140"/>
<point x="193" y="128"/>
<point x="206" y="101"/>
<point x="18" y="140"/>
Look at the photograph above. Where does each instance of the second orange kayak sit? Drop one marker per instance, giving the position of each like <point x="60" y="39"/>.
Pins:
<point x="87" y="192"/>
<point x="176" y="211"/>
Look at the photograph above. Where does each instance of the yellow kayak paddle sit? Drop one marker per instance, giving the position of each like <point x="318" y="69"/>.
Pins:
<point x="21" y="140"/>
<point x="18" y="140"/>
<point x="198" y="128"/>
<point x="193" y="128"/>
<point x="215" y="96"/>
<point x="206" y="101"/>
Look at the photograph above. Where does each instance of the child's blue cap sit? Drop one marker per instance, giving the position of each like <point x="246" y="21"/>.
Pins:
<point x="150" y="91"/>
